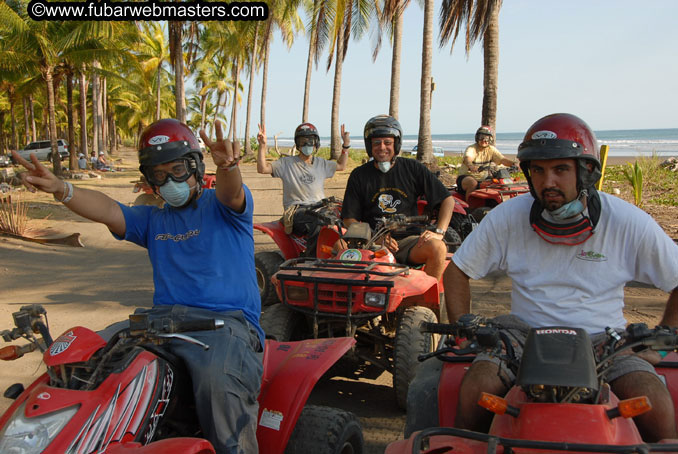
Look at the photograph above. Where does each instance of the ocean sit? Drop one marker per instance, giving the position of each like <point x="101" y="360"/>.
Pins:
<point x="628" y="142"/>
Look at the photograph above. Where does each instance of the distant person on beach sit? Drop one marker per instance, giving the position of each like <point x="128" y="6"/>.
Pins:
<point x="386" y="186"/>
<point x="569" y="251"/>
<point x="303" y="177"/>
<point x="93" y="160"/>
<point x="201" y="249"/>
<point x="82" y="162"/>
<point x="477" y="160"/>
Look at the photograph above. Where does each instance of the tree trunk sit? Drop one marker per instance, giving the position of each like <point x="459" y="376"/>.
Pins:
<point x="424" y="144"/>
<point x="216" y="112"/>
<point x="264" y="75"/>
<point x="83" y="113"/>
<point x="104" y="114"/>
<point x="15" y="132"/>
<point x="395" y="64"/>
<point x="27" y="128"/>
<point x="491" y="69"/>
<point x="203" y="109"/>
<point x="2" y="133"/>
<point x="73" y="160"/>
<point x="232" y="133"/>
<point x="111" y="132"/>
<point x="157" y="94"/>
<point x="179" y="73"/>
<point x="96" y="113"/>
<point x="335" y="134"/>
<point x="248" y="148"/>
<point x="309" y="65"/>
<point x="56" y="159"/>
<point x="31" y="108"/>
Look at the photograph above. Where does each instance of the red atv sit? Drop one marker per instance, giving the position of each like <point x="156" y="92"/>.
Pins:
<point x="291" y="246"/>
<point x="560" y="401"/>
<point x="361" y="292"/>
<point x="498" y="188"/>
<point x="148" y="197"/>
<point x="126" y="395"/>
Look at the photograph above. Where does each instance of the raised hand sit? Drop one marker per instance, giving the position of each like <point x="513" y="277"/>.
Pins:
<point x="37" y="176"/>
<point x="224" y="152"/>
<point x="345" y="136"/>
<point x="261" y="136"/>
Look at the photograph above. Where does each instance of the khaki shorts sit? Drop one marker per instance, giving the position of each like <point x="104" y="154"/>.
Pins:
<point x="517" y="331"/>
<point x="404" y="247"/>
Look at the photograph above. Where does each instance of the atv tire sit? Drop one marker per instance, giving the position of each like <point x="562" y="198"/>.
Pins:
<point x="452" y="240"/>
<point x="267" y="264"/>
<point x="422" y="412"/>
<point x="480" y="213"/>
<point x="281" y="323"/>
<point x="410" y="342"/>
<point x="325" y="430"/>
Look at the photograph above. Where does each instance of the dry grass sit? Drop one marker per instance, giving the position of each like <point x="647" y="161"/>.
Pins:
<point x="13" y="215"/>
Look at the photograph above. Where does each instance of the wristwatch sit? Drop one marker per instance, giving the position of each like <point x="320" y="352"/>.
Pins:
<point x="439" y="231"/>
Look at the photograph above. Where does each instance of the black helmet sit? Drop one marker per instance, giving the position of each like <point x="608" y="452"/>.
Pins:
<point x="166" y="141"/>
<point x="382" y="126"/>
<point x="307" y="130"/>
<point x="485" y="131"/>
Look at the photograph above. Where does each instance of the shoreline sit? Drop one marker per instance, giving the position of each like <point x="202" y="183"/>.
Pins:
<point x="611" y="160"/>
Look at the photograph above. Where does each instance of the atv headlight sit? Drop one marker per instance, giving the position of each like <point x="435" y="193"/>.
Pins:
<point x="375" y="299"/>
<point x="297" y="293"/>
<point x="22" y="435"/>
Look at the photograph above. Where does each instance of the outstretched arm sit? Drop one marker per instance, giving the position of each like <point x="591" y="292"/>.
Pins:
<point x="457" y="292"/>
<point x="670" y="317"/>
<point x="263" y="166"/>
<point x="346" y="143"/>
<point x="226" y="156"/>
<point x="93" y="205"/>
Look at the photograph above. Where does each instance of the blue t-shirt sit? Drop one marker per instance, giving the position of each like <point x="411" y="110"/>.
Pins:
<point x="202" y="255"/>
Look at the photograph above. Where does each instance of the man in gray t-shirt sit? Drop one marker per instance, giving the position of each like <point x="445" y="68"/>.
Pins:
<point x="303" y="176"/>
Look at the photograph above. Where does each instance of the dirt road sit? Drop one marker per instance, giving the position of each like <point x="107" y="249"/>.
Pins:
<point x="103" y="282"/>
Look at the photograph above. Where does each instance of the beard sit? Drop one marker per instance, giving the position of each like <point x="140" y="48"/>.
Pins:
<point x="552" y="204"/>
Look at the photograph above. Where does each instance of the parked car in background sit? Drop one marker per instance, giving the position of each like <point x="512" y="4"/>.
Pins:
<point x="438" y="152"/>
<point x="202" y="145"/>
<point x="43" y="150"/>
<point x="5" y="161"/>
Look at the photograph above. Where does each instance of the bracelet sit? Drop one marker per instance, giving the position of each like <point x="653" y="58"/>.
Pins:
<point x="68" y="193"/>
<point x="345" y="147"/>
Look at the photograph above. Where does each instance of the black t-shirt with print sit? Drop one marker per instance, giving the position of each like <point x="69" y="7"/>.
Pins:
<point x="371" y="194"/>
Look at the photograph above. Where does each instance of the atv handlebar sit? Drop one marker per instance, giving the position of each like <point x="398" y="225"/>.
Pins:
<point x="143" y="325"/>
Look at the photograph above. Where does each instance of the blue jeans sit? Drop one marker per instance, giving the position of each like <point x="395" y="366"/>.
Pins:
<point x="226" y="378"/>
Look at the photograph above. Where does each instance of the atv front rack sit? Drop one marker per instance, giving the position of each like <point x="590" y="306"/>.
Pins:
<point x="364" y="273"/>
<point x="508" y="444"/>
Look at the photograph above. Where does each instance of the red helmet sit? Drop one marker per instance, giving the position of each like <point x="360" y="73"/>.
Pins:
<point x="307" y="130"/>
<point x="485" y="131"/>
<point x="168" y="140"/>
<point x="562" y="136"/>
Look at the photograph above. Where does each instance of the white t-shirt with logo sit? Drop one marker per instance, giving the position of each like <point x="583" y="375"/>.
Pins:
<point x="578" y="286"/>
<point x="303" y="184"/>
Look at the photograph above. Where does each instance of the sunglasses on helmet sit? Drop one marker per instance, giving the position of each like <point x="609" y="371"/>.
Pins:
<point x="179" y="171"/>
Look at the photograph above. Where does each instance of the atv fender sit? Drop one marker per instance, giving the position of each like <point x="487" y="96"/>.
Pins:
<point x="182" y="445"/>
<point x="276" y="231"/>
<point x="415" y="289"/>
<point x="291" y="370"/>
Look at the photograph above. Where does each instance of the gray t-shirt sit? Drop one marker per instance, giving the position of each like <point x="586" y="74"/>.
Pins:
<point x="303" y="184"/>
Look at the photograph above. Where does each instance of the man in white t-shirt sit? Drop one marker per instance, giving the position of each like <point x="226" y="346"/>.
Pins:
<point x="303" y="176"/>
<point x="477" y="160"/>
<point x="569" y="251"/>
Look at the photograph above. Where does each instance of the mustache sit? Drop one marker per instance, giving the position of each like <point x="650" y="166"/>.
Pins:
<point x="552" y="191"/>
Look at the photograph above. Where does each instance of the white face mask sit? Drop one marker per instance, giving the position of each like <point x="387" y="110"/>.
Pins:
<point x="175" y="194"/>
<point x="307" y="150"/>
<point x="384" y="166"/>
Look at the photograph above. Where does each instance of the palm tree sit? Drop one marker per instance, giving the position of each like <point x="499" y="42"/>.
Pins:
<point x="392" y="17"/>
<point x="177" y="59"/>
<point x="482" y="19"/>
<point x="424" y="144"/>
<point x="342" y="19"/>
<point x="154" y="52"/>
<point x="253" y="64"/>
<point x="316" y="14"/>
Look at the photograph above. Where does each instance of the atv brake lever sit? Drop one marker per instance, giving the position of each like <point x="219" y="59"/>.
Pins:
<point x="186" y="338"/>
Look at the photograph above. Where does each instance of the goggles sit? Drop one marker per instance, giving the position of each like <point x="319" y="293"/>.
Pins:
<point x="387" y="142"/>
<point x="179" y="171"/>
<point x="305" y="141"/>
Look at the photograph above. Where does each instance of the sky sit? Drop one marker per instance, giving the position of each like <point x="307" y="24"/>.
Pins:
<point x="613" y="63"/>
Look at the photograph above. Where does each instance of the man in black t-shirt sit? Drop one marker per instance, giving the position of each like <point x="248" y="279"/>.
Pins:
<point x="386" y="185"/>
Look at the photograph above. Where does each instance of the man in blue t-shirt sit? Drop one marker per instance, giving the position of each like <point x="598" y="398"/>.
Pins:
<point x="192" y="243"/>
